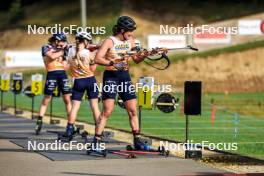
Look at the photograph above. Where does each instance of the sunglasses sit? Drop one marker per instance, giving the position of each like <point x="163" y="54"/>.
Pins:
<point x="60" y="46"/>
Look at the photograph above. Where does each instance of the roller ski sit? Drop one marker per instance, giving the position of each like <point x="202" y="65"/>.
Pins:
<point x="95" y="148"/>
<point x="123" y="153"/>
<point x="160" y="151"/>
<point x="142" y="146"/>
<point x="38" y="125"/>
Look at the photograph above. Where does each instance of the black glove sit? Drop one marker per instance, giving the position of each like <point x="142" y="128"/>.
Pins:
<point x="66" y="52"/>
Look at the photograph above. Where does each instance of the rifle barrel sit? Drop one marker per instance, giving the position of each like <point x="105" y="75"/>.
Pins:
<point x="187" y="47"/>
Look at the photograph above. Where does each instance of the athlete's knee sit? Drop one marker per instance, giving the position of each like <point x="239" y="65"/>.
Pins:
<point x="67" y="100"/>
<point x="46" y="100"/>
<point x="96" y="113"/>
<point x="106" y="113"/>
<point x="132" y="112"/>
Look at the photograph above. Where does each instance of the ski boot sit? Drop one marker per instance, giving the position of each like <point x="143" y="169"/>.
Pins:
<point x="95" y="148"/>
<point x="68" y="135"/>
<point x="142" y="147"/>
<point x="141" y="144"/>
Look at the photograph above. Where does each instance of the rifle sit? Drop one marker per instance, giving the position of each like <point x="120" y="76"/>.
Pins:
<point x="93" y="47"/>
<point x="162" y="52"/>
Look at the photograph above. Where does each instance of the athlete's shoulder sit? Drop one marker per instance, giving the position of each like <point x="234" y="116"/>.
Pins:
<point x="109" y="41"/>
<point x="71" y="47"/>
<point x="71" y="51"/>
<point x="45" y="48"/>
<point x="111" y="38"/>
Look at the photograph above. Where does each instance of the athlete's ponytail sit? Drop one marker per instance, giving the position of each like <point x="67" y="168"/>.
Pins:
<point x="51" y="40"/>
<point x="116" y="30"/>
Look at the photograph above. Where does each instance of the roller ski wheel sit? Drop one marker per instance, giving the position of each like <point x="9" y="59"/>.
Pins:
<point x="131" y="156"/>
<point x="130" y="147"/>
<point x="163" y="151"/>
<point x="76" y="130"/>
<point x="38" y="126"/>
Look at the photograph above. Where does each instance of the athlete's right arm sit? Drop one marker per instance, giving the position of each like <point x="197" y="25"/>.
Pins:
<point x="100" y="55"/>
<point x="49" y="51"/>
<point x="53" y="54"/>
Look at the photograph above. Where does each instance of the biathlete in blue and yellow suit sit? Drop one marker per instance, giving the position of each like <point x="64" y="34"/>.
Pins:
<point x="81" y="65"/>
<point x="54" y="60"/>
<point x="111" y="55"/>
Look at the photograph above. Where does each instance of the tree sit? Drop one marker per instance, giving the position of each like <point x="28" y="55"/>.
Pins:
<point x="15" y="12"/>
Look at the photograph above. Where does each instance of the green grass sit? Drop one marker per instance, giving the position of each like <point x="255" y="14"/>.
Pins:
<point x="249" y="135"/>
<point x="241" y="103"/>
